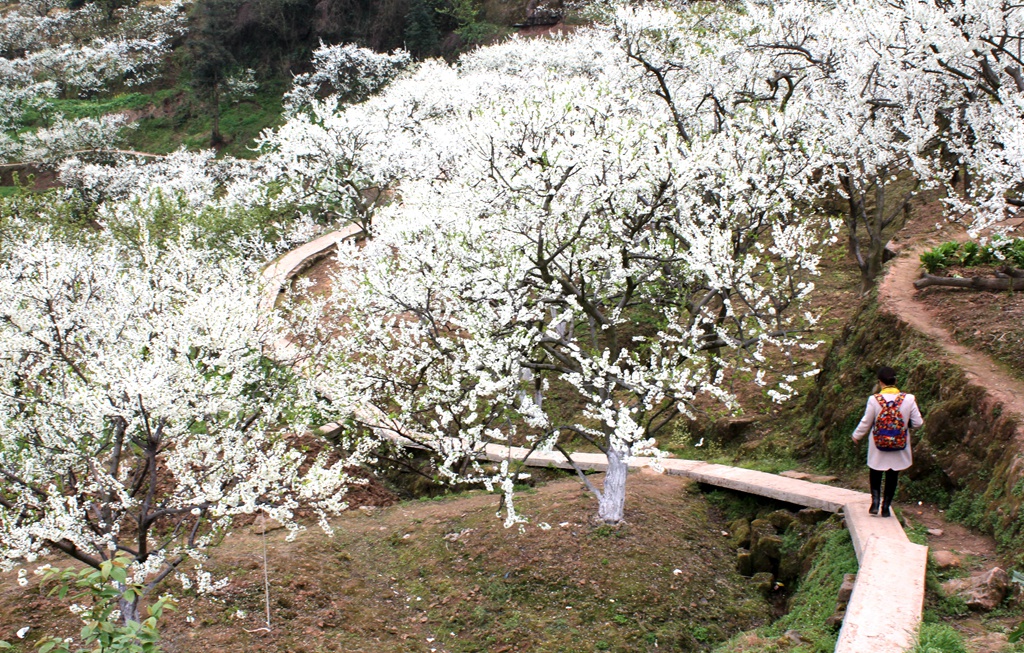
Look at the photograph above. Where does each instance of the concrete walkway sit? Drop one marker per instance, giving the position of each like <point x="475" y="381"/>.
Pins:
<point x="278" y="273"/>
<point x="884" y="613"/>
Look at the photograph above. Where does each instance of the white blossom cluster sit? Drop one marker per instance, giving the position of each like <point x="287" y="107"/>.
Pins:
<point x="912" y="85"/>
<point x="139" y="411"/>
<point x="549" y="200"/>
<point x="47" y="51"/>
<point x="347" y="71"/>
<point x="629" y="216"/>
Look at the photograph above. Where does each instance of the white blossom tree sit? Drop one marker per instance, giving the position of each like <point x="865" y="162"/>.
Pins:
<point x="871" y="110"/>
<point x="140" y="410"/>
<point x="975" y="48"/>
<point x="347" y="71"/>
<point x="580" y="239"/>
<point x="45" y="54"/>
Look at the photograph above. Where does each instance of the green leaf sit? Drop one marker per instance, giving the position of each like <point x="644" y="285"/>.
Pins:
<point x="119" y="574"/>
<point x="48" y="646"/>
<point x="1016" y="635"/>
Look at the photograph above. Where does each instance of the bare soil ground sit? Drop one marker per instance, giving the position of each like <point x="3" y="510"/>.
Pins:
<point x="928" y="312"/>
<point x="989" y="322"/>
<point x="446" y="575"/>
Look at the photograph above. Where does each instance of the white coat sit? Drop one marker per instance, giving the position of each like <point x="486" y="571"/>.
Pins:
<point x="886" y="460"/>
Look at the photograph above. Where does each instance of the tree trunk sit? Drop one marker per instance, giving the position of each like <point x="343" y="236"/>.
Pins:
<point x="216" y="139"/>
<point x="976" y="283"/>
<point x="129" y="610"/>
<point x="869" y="273"/>
<point x="613" y="496"/>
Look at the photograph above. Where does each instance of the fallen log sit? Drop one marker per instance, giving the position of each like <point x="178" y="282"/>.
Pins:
<point x="975" y="283"/>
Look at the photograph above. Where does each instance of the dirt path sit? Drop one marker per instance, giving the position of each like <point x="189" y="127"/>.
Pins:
<point x="897" y="295"/>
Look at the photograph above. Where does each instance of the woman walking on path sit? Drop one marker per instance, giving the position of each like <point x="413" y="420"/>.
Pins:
<point x="889" y="416"/>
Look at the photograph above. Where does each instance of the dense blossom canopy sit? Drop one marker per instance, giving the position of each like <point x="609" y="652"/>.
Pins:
<point x="628" y="218"/>
<point x="139" y="411"/>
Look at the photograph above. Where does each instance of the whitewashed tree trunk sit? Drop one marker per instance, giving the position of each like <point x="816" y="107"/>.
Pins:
<point x="613" y="496"/>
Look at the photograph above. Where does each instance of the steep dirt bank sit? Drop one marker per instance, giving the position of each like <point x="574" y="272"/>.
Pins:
<point x="971" y="453"/>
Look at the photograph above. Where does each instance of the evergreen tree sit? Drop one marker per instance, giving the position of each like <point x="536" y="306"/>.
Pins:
<point x="421" y="34"/>
<point x="210" y="59"/>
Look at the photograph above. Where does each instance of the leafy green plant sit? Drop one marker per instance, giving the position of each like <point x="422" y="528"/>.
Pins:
<point x="939" y="257"/>
<point x="1017" y="635"/>
<point x="466" y="13"/>
<point x="971" y="254"/>
<point x="104" y="630"/>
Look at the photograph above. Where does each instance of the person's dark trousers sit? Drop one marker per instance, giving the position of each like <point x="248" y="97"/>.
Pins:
<point x="891" y="479"/>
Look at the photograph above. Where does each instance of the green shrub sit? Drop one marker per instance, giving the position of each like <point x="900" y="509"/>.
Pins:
<point x="939" y="257"/>
<point x="999" y="251"/>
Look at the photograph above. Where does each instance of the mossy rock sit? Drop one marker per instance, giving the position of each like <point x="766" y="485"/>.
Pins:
<point x="781" y="520"/>
<point x="791" y="567"/>
<point x="739" y="533"/>
<point x="744" y="563"/>
<point x="812" y="516"/>
<point x="763" y="582"/>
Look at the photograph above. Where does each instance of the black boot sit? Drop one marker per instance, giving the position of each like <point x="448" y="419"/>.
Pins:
<point x="876" y="496"/>
<point x="891" y="478"/>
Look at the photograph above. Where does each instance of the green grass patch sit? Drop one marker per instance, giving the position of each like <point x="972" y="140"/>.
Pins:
<point x="170" y="118"/>
<point x="190" y="123"/>
<point x="815" y="598"/>
<point x="939" y="638"/>
<point x="96" y="107"/>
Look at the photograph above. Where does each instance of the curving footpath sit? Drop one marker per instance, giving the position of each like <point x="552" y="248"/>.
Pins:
<point x="884" y="612"/>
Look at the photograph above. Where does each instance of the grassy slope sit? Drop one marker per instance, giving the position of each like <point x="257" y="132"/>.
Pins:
<point x="811" y="605"/>
<point x="392" y="581"/>
<point x="166" y="119"/>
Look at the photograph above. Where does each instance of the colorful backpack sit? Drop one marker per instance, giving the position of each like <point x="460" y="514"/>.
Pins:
<point x="890" y="433"/>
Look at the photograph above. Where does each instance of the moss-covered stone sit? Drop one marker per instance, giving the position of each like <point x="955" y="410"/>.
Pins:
<point x="765" y="546"/>
<point x="739" y="533"/>
<point x="763" y="581"/>
<point x="744" y="565"/>
<point x="781" y="520"/>
<point x="812" y="516"/>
